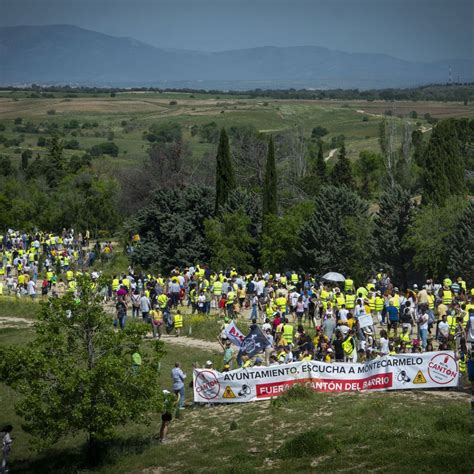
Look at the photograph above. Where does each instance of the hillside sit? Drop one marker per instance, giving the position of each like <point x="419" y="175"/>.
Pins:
<point x="68" y="54"/>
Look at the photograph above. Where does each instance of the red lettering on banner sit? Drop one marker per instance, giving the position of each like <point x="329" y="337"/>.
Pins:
<point x="374" y="382"/>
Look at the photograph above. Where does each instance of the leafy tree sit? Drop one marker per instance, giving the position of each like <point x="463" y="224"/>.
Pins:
<point x="282" y="237"/>
<point x="460" y="245"/>
<point x="443" y="174"/>
<point x="106" y="148"/>
<point x="165" y="132"/>
<point x="428" y="236"/>
<point x="78" y="375"/>
<point x="369" y="171"/>
<point x="171" y="227"/>
<point x="225" y="180"/>
<point x="6" y="167"/>
<point x="341" y="174"/>
<point x="72" y="145"/>
<point x="319" y="132"/>
<point x="337" y="235"/>
<point x="270" y="205"/>
<point x="391" y="224"/>
<point x="209" y="132"/>
<point x="42" y="141"/>
<point x="248" y="202"/>
<point x="230" y="241"/>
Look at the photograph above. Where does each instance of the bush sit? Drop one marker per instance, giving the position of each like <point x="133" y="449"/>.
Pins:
<point x="310" y="443"/>
<point x="173" y="102"/>
<point x="107" y="148"/>
<point x="297" y="392"/>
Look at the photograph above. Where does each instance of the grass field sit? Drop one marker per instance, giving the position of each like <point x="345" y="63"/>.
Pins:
<point x="419" y="431"/>
<point x="140" y="110"/>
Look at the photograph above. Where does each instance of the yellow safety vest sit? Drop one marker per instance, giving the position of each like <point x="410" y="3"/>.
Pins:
<point x="379" y="303"/>
<point x="431" y="301"/>
<point x="283" y="280"/>
<point x="288" y="333"/>
<point x="350" y="301"/>
<point x="447" y="297"/>
<point x="217" y="290"/>
<point x="396" y="301"/>
<point x="115" y="284"/>
<point x="230" y="297"/>
<point x="340" y="300"/>
<point x="405" y="338"/>
<point x="281" y="303"/>
<point x="294" y="278"/>
<point x="348" y="285"/>
<point x="162" y="301"/>
<point x="372" y="303"/>
<point x="178" y="321"/>
<point x="451" y="320"/>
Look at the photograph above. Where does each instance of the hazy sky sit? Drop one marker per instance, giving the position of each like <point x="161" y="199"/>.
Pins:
<point x="409" y="29"/>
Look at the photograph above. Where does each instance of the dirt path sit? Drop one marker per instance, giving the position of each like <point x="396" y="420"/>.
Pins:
<point x="331" y="154"/>
<point x="192" y="342"/>
<point x="11" y="322"/>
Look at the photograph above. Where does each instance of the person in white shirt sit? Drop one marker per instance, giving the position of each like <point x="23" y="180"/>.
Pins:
<point x="423" y="320"/>
<point x="443" y="328"/>
<point x="31" y="287"/>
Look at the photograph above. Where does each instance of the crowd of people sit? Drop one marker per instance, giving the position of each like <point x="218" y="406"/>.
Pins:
<point x="302" y="315"/>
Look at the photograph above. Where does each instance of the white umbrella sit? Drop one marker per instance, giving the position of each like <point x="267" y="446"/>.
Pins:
<point x="333" y="276"/>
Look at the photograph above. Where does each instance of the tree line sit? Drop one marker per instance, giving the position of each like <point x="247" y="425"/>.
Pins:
<point x="419" y="225"/>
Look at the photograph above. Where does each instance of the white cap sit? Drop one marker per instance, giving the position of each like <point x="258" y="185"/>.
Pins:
<point x="208" y="362"/>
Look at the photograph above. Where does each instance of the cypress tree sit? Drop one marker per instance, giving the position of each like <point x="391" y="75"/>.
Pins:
<point x="321" y="170"/>
<point x="443" y="173"/>
<point x="460" y="245"/>
<point x="270" y="182"/>
<point x="25" y="159"/>
<point x="341" y="174"/>
<point x="225" y="178"/>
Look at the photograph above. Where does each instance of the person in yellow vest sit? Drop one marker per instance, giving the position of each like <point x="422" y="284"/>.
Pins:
<point x="178" y="322"/>
<point x="349" y="347"/>
<point x="294" y="278"/>
<point x="340" y="299"/>
<point x="371" y="302"/>
<point x="405" y="338"/>
<point x="396" y="298"/>
<point x="379" y="307"/>
<point x="216" y="292"/>
<point x="348" y="284"/>
<point x="193" y="297"/>
<point x="283" y="280"/>
<point x="446" y="295"/>
<point x="115" y="284"/>
<point x="69" y="275"/>
<point x="288" y="331"/>
<point x="126" y="283"/>
<point x="162" y="301"/>
<point x="156" y="319"/>
<point x="350" y="300"/>
<point x="447" y="282"/>
<point x="280" y="301"/>
<point x="452" y="323"/>
<point x="230" y="303"/>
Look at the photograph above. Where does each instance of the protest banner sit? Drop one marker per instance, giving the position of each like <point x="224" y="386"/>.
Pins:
<point x="234" y="334"/>
<point x="398" y="372"/>
<point x="365" y="321"/>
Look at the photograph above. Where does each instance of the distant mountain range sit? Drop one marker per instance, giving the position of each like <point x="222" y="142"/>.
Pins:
<point x="64" y="54"/>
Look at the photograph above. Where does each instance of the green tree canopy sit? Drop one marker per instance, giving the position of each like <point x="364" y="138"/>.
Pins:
<point x="78" y="375"/>
<point x="341" y="174"/>
<point x="230" y="241"/>
<point x="443" y="172"/>
<point x="391" y="224"/>
<point x="337" y="235"/>
<point x="171" y="227"/>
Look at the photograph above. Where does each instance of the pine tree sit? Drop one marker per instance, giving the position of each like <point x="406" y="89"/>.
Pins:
<point x="443" y="173"/>
<point x="225" y="178"/>
<point x="460" y="245"/>
<point x="391" y="225"/>
<point x="321" y="171"/>
<point x="341" y="174"/>
<point x="337" y="236"/>
<point x="270" y="205"/>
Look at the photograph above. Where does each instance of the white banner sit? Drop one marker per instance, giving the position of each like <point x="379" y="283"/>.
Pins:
<point x="399" y="372"/>
<point x="365" y="321"/>
<point x="234" y="334"/>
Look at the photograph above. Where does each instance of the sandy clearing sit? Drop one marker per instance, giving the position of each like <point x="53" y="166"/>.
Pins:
<point x="192" y="342"/>
<point x="331" y="154"/>
<point x="11" y="322"/>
